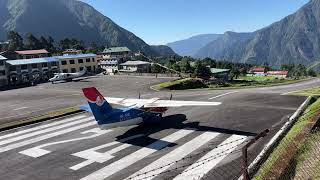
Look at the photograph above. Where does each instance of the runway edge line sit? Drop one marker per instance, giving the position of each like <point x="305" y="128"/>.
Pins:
<point x="70" y="111"/>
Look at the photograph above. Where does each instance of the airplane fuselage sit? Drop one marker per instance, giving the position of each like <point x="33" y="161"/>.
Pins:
<point x="127" y="117"/>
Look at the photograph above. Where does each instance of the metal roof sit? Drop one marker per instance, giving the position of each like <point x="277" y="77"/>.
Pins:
<point x="28" y="52"/>
<point x="216" y="70"/>
<point x="32" y="61"/>
<point x="2" y="58"/>
<point x="134" y="63"/>
<point x="76" y="56"/>
<point x="116" y="49"/>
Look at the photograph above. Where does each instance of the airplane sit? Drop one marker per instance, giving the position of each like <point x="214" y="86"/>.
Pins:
<point x="133" y="111"/>
<point x="67" y="76"/>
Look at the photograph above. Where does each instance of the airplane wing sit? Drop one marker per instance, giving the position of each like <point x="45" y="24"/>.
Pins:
<point x="149" y="103"/>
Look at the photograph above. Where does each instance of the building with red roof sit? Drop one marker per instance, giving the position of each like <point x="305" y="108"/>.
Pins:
<point x="29" y="54"/>
<point x="280" y="74"/>
<point x="256" y="71"/>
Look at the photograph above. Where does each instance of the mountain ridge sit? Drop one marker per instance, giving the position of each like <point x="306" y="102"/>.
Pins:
<point x="189" y="46"/>
<point x="294" y="39"/>
<point x="66" y="19"/>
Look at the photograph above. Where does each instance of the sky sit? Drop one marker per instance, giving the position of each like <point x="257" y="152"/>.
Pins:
<point x="163" y="21"/>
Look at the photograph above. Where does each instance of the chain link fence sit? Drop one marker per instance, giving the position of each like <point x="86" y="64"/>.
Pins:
<point x="297" y="156"/>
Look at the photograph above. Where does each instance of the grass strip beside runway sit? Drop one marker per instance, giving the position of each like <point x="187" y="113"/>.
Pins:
<point x="297" y="137"/>
<point x="307" y="92"/>
<point x="40" y="118"/>
<point x="192" y="83"/>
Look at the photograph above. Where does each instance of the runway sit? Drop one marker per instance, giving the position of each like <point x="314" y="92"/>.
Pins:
<point x="190" y="143"/>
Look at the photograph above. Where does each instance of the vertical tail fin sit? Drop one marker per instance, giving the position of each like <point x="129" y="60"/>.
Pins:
<point x="99" y="106"/>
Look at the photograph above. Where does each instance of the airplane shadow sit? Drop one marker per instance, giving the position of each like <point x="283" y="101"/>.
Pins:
<point x="176" y="121"/>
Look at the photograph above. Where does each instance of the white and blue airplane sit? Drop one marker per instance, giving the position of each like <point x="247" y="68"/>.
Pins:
<point x="68" y="76"/>
<point x="134" y="111"/>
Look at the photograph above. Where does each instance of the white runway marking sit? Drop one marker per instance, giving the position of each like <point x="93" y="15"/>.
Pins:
<point x="223" y="94"/>
<point x="20" y="108"/>
<point x="38" y="151"/>
<point x="136" y="156"/>
<point x="91" y="155"/>
<point x="211" y="159"/>
<point x="174" y="155"/>
<point x="7" y="141"/>
<point x="44" y="137"/>
<point x="42" y="127"/>
<point x="7" y="117"/>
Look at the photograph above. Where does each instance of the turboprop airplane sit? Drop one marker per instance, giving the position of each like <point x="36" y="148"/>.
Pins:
<point x="67" y="76"/>
<point x="134" y="111"/>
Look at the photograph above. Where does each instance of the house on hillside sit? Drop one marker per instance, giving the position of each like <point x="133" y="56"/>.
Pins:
<point x="135" y="67"/>
<point x="219" y="74"/>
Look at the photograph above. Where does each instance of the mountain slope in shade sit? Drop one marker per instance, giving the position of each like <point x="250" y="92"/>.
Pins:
<point x="190" y="46"/>
<point x="163" y="50"/>
<point x="294" y="39"/>
<point x="227" y="46"/>
<point x="66" y="18"/>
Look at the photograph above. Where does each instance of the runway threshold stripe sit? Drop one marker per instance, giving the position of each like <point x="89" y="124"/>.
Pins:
<point x="173" y="156"/>
<point x="41" y="127"/>
<point x="44" y="137"/>
<point x="211" y="159"/>
<point x="137" y="156"/>
<point x="38" y="151"/>
<point x="93" y="155"/>
<point x="11" y="140"/>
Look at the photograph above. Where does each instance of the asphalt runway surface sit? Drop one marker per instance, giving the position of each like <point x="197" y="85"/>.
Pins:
<point x="190" y="143"/>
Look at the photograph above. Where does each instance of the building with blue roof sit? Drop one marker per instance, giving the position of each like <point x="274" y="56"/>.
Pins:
<point x="110" y="65"/>
<point x="41" y="69"/>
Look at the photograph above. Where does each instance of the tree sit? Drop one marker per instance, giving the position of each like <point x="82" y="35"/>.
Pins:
<point x="43" y="42"/>
<point x="176" y="67"/>
<point x="209" y="62"/>
<point x="234" y="73"/>
<point x="15" y="41"/>
<point x="185" y="66"/>
<point x="64" y="44"/>
<point x="51" y="48"/>
<point x="312" y="73"/>
<point x="32" y="42"/>
<point x="201" y="70"/>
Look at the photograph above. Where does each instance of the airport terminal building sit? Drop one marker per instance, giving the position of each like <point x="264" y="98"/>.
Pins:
<point x="24" y="71"/>
<point x="75" y="63"/>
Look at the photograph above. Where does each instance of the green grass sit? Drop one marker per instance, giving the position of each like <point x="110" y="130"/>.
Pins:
<point x="307" y="92"/>
<point x="187" y="83"/>
<point x="284" y="143"/>
<point x="308" y="150"/>
<point x="256" y="84"/>
<point x="252" y="82"/>
<point x="259" y="78"/>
